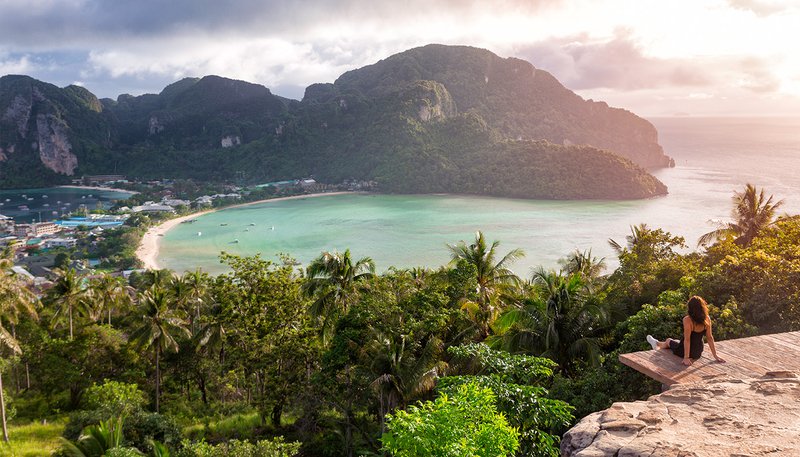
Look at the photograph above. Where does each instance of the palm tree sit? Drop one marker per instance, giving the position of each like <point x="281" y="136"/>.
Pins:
<point x="69" y="295"/>
<point x="752" y="213"/>
<point x="585" y="264"/>
<point x="15" y="300"/>
<point x="492" y="275"/>
<point x="108" y="292"/>
<point x="403" y="367"/>
<point x="333" y="279"/>
<point x="190" y="291"/>
<point x="211" y="333"/>
<point x="160" y="323"/>
<point x="638" y="232"/>
<point x="560" y="323"/>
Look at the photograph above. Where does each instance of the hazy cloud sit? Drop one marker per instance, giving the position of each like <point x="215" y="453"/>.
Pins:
<point x="755" y="76"/>
<point x="65" y="23"/>
<point x="760" y="8"/>
<point x="619" y="63"/>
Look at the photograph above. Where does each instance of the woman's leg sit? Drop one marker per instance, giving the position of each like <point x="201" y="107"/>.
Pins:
<point x="664" y="344"/>
<point x="660" y="344"/>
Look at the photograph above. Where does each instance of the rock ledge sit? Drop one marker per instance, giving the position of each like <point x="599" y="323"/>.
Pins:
<point x="723" y="417"/>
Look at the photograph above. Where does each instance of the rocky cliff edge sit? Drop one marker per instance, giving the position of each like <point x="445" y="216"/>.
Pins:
<point x="724" y="417"/>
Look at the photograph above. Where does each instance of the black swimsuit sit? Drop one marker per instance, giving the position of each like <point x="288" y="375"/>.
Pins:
<point x="695" y="345"/>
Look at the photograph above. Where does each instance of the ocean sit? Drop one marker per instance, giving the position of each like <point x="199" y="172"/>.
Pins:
<point x="714" y="158"/>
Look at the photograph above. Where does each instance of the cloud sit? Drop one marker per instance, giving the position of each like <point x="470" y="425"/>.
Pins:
<point x="761" y="8"/>
<point x="15" y="65"/>
<point x="65" y="23"/>
<point x="755" y="76"/>
<point x="581" y="62"/>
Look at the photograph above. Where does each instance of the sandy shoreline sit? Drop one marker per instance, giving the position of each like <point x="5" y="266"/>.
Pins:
<point x="147" y="251"/>
<point x="109" y="189"/>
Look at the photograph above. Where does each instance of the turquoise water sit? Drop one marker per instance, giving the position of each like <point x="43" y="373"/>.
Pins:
<point x="50" y="203"/>
<point x="713" y="157"/>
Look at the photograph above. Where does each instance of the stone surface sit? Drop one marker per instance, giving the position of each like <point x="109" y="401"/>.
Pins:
<point x="725" y="417"/>
<point x="55" y="150"/>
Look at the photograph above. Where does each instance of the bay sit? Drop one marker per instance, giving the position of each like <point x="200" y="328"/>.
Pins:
<point x="714" y="158"/>
<point x="46" y="204"/>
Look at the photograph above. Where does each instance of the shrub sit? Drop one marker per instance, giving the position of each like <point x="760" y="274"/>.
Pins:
<point x="235" y="448"/>
<point x="464" y="424"/>
<point x="118" y="398"/>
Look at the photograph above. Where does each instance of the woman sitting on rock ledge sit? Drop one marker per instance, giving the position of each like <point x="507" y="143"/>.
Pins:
<point x="695" y="324"/>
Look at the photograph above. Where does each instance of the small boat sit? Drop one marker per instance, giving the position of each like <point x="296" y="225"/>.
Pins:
<point x="45" y="196"/>
<point x="24" y="195"/>
<point x="24" y="208"/>
<point x="8" y="199"/>
<point x="252" y="224"/>
<point x="189" y="221"/>
<point x="223" y="224"/>
<point x="199" y="233"/>
<point x="30" y="199"/>
<point x="58" y="201"/>
<point x="236" y="240"/>
<point x="272" y="228"/>
<point x="46" y="204"/>
<point x="247" y="230"/>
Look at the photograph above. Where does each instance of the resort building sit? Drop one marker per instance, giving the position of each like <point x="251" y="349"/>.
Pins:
<point x="205" y="200"/>
<point x="60" y="243"/>
<point x="96" y="180"/>
<point x="37" y="229"/>
<point x="173" y="202"/>
<point x="151" y="207"/>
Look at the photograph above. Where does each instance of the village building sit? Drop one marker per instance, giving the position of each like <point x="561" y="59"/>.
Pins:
<point x="151" y="207"/>
<point x="36" y="229"/>
<point x="60" y="243"/>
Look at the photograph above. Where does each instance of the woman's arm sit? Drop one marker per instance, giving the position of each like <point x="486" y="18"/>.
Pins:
<point x="687" y="339"/>
<point x="710" y="339"/>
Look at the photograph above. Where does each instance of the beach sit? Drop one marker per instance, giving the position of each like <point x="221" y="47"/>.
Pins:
<point x="147" y="251"/>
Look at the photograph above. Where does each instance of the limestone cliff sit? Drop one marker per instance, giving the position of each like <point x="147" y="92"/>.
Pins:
<point x="755" y="417"/>
<point x="46" y="130"/>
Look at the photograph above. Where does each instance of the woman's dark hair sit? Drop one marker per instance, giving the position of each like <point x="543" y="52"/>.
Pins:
<point x="698" y="310"/>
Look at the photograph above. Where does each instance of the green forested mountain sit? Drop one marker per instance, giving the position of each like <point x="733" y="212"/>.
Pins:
<point x="431" y="119"/>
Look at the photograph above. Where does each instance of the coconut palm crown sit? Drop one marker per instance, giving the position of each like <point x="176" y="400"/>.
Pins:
<point x="752" y="212"/>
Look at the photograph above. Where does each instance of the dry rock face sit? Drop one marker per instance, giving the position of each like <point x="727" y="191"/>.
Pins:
<point x="55" y="150"/>
<point x="756" y="417"/>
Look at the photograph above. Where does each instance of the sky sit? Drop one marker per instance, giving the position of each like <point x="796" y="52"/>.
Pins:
<point x="653" y="57"/>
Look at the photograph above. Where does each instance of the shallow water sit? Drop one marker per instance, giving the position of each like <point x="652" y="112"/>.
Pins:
<point x="713" y="158"/>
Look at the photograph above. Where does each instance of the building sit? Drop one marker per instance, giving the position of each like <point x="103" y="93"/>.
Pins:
<point x="151" y="207"/>
<point x="37" y="229"/>
<point x="173" y="202"/>
<point x="6" y="223"/>
<point x="205" y="200"/>
<point x="96" y="180"/>
<point x="60" y="243"/>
